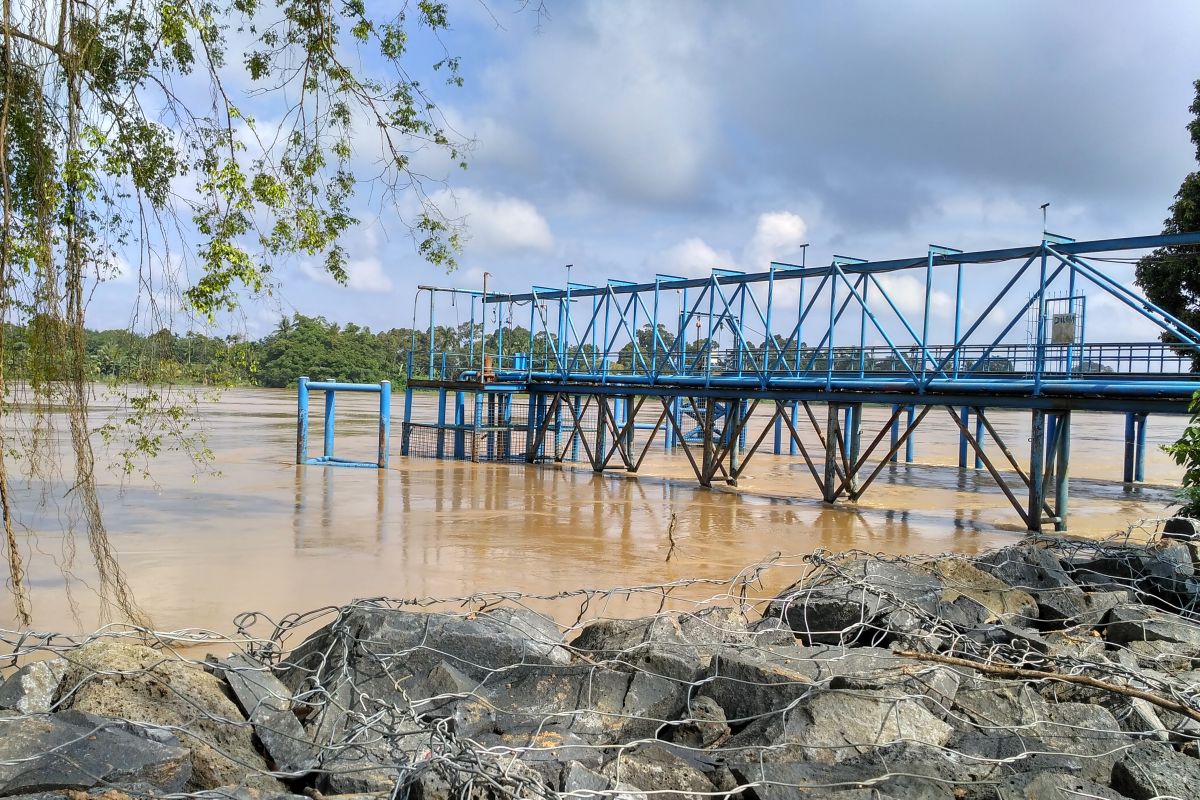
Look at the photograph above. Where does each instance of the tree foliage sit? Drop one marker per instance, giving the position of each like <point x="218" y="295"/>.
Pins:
<point x="1170" y="276"/>
<point x="127" y="146"/>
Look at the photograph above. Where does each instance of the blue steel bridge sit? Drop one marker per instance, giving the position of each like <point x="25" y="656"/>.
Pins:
<point x="721" y="367"/>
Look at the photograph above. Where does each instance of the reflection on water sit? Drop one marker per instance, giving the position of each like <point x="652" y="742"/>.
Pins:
<point x="267" y="535"/>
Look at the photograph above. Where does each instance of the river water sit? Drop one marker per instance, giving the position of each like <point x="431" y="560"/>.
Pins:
<point x="263" y="534"/>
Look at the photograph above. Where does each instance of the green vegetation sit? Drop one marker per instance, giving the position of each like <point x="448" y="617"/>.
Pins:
<point x="124" y="148"/>
<point x="1170" y="276"/>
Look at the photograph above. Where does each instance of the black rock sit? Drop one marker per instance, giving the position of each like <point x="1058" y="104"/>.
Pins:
<point x="76" y="751"/>
<point x="267" y="703"/>
<point x="1052" y="786"/>
<point x="1181" y="528"/>
<point x="1026" y="567"/>
<point x="1149" y="770"/>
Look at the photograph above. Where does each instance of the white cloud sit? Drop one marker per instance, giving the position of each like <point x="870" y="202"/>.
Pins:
<point x="908" y="294"/>
<point x="625" y="90"/>
<point x="362" y="275"/>
<point x="691" y="258"/>
<point x="497" y="223"/>
<point x="778" y="236"/>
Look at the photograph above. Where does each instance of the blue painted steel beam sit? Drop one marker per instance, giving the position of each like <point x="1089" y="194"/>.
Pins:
<point x="791" y="271"/>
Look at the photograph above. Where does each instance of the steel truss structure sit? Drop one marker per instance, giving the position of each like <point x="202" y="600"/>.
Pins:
<point x="609" y="368"/>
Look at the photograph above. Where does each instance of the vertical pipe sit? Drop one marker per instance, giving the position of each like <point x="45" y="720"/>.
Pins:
<point x="794" y="448"/>
<point x="980" y="433"/>
<point x="471" y="344"/>
<point x="476" y="424"/>
<point x="654" y="336"/>
<point x="460" y="422"/>
<point x="832" y="322"/>
<point x="1062" y="470"/>
<point x="1037" y="450"/>
<point x="799" y="334"/>
<point x="630" y="418"/>
<point x="741" y="327"/>
<point x="862" y="328"/>
<point x="895" y="432"/>
<point x="1139" y="470"/>
<point x="778" y="436"/>
<point x="681" y="334"/>
<point x="506" y="421"/>
<point x="847" y="422"/>
<point x="330" y="400"/>
<point x="441" y="420"/>
<point x="1130" y="425"/>
<point x="964" y="414"/>
<point x="1040" y="353"/>
<point x="578" y="400"/>
<point x="302" y="420"/>
<point x="1051" y="442"/>
<point x="855" y="449"/>
<point x="385" y="421"/>
<point x="602" y="408"/>
<point x="910" y="445"/>
<point x="769" y="340"/>
<point x="533" y="303"/>
<point x="925" y="319"/>
<point x="491" y="424"/>
<point x="831" y="442"/>
<point x="604" y="363"/>
<point x="429" y="367"/>
<point x="733" y="419"/>
<point x="743" y="412"/>
<point x="708" y="356"/>
<point x="957" y="316"/>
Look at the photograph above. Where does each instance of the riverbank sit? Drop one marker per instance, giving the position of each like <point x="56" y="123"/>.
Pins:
<point x="1047" y="669"/>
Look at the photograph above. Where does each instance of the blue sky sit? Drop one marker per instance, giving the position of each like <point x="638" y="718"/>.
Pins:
<point x="627" y="138"/>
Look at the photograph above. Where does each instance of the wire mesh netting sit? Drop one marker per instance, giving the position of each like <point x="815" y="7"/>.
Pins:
<point x="1047" y="669"/>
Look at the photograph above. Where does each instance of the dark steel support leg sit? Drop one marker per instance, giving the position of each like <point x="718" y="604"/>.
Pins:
<point x="1037" y="451"/>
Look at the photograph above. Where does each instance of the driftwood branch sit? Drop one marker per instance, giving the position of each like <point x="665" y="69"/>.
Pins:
<point x="1006" y="671"/>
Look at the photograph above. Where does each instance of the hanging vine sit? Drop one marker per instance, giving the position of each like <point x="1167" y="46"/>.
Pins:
<point x="122" y="144"/>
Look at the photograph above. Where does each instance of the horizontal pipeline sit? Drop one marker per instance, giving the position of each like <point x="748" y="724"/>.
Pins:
<point x="345" y="387"/>
<point x="1175" y="389"/>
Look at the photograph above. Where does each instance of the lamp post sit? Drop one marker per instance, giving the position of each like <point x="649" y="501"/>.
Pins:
<point x="483" y="326"/>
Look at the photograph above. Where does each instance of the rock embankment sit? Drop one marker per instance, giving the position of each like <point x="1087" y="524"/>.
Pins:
<point x="1047" y="670"/>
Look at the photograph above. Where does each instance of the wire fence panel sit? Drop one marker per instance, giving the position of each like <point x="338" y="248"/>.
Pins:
<point x="1047" y="669"/>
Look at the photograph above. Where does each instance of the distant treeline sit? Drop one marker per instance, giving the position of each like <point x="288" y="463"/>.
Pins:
<point x="299" y="345"/>
<point x="325" y="350"/>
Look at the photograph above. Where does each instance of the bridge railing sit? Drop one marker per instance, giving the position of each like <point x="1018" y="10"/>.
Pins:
<point x="1062" y="361"/>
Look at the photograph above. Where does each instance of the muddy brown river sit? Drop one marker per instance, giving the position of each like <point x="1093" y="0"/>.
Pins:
<point x="264" y="534"/>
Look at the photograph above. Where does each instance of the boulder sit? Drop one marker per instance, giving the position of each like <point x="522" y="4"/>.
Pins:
<point x="1052" y="786"/>
<point x="853" y="602"/>
<point x="794" y="780"/>
<point x="380" y="649"/>
<point x="32" y="688"/>
<point x="959" y="577"/>
<point x="267" y="703"/>
<point x="756" y="683"/>
<point x="653" y="767"/>
<point x="1163" y="571"/>
<point x="1086" y="731"/>
<point x="578" y="778"/>
<point x="837" y="725"/>
<point x="115" y="678"/>
<point x="604" y="706"/>
<point x="1129" y="623"/>
<point x="703" y="724"/>
<point x="1151" y="770"/>
<point x="77" y="751"/>
<point x="935" y="686"/>
<point x="1027" y="567"/>
<point x="1181" y="529"/>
